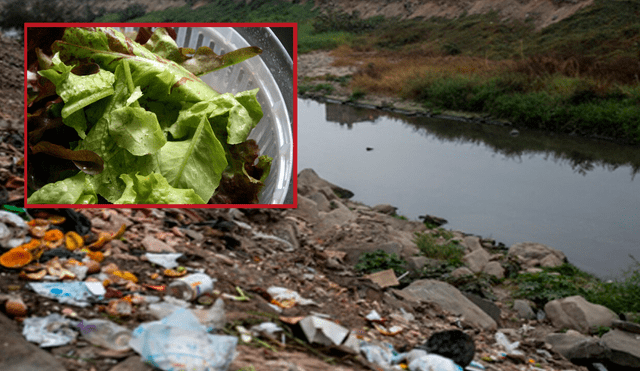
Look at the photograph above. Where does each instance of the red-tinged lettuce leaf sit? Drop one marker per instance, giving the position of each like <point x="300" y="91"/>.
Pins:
<point x="154" y="189"/>
<point x="205" y="60"/>
<point x="87" y="161"/>
<point x="159" y="78"/>
<point x="242" y="181"/>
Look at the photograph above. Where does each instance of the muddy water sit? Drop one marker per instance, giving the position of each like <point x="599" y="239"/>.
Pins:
<point x="579" y="196"/>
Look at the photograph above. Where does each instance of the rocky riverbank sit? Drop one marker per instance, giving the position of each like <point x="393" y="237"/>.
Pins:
<point x="312" y="250"/>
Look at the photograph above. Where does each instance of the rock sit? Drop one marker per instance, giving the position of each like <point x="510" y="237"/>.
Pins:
<point x="308" y="181"/>
<point x="453" y="344"/>
<point x="532" y="254"/>
<point x="551" y="261"/>
<point x="476" y="260"/>
<point x="626" y="326"/>
<point x="307" y="209"/>
<point x="434" y="220"/>
<point x="385" y="209"/>
<point x="472" y="243"/>
<point x="524" y="309"/>
<point x="450" y="299"/>
<point x="533" y="270"/>
<point x="494" y="268"/>
<point x="416" y="263"/>
<point x="486" y="305"/>
<point x="625" y="348"/>
<point x="462" y="271"/>
<point x="17" y="354"/>
<point x="152" y="244"/>
<point x="336" y="217"/>
<point x="321" y="200"/>
<point x="577" y="348"/>
<point x="576" y="313"/>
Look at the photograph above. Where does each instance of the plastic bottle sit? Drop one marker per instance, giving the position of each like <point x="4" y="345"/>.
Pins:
<point x="106" y="334"/>
<point x="191" y="286"/>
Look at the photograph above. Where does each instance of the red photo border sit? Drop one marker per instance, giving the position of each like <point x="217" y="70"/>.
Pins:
<point x="294" y="178"/>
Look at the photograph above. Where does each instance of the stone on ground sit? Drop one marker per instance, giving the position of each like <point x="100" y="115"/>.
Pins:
<point x="451" y="299"/>
<point x="533" y="254"/>
<point x="576" y="313"/>
<point x="625" y="348"/>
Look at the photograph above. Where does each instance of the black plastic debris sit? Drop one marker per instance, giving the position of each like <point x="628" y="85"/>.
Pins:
<point x="453" y="344"/>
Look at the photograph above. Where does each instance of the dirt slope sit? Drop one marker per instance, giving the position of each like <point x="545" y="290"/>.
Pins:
<point x="543" y="12"/>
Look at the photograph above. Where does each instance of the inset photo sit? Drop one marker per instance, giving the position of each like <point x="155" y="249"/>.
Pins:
<point x="159" y="115"/>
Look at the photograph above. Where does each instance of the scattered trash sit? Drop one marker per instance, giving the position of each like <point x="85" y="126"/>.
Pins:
<point x="321" y="331"/>
<point x="599" y="366"/>
<point x="245" y="335"/>
<point x="107" y="334"/>
<point x="384" y="278"/>
<point x="51" y="331"/>
<point x="509" y="347"/>
<point x="267" y="329"/>
<point x="373" y="316"/>
<point x="453" y="344"/>
<point x="13" y="230"/>
<point x="214" y="317"/>
<point x="419" y="360"/>
<point x="382" y="355"/>
<point x="392" y="331"/>
<point x="74" y="293"/>
<point x="167" y="260"/>
<point x="179" y="341"/>
<point x="15" y="307"/>
<point x="286" y="298"/>
<point x="191" y="286"/>
<point x="84" y="328"/>
<point x="474" y="366"/>
<point x="242" y="297"/>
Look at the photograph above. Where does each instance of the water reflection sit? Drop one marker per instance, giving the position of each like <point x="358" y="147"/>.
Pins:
<point x="582" y="155"/>
<point x="576" y="195"/>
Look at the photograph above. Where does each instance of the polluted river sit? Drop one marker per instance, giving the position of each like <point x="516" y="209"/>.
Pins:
<point x="578" y="195"/>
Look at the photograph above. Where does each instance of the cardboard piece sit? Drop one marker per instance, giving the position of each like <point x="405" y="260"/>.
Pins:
<point x="384" y="278"/>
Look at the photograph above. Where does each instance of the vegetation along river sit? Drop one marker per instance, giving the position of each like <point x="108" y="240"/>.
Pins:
<point x="580" y="196"/>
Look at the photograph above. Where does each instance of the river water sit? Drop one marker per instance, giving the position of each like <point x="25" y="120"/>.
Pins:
<point x="577" y="195"/>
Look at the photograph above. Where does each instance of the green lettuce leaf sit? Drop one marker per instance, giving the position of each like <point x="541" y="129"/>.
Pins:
<point x="196" y="162"/>
<point x="154" y="189"/>
<point x="76" y="91"/>
<point x="75" y="190"/>
<point x="136" y="130"/>
<point x="232" y="117"/>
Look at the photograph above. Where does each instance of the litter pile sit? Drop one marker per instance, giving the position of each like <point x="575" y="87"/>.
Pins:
<point x="223" y="289"/>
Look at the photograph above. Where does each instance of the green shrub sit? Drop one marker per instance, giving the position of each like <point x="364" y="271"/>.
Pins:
<point x="449" y="251"/>
<point x="379" y="260"/>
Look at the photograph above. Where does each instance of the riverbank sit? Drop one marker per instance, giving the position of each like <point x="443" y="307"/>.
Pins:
<point x="326" y="75"/>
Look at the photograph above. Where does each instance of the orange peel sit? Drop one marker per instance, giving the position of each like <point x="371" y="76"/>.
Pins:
<point x="53" y="235"/>
<point x="126" y="275"/>
<point x="56" y="219"/>
<point x="174" y="273"/>
<point x="73" y="241"/>
<point x="16" y="258"/>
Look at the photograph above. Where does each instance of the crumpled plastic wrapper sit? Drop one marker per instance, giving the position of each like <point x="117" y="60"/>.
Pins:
<point x="74" y="293"/>
<point x="179" y="342"/>
<point x="53" y="330"/>
<point x="282" y="294"/>
<point x="167" y="260"/>
<point x="13" y="230"/>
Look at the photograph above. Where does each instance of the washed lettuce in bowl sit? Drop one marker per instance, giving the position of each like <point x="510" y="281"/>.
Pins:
<point x="134" y="124"/>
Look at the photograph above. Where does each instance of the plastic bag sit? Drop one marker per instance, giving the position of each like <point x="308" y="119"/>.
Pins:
<point x="179" y="342"/>
<point x="419" y="360"/>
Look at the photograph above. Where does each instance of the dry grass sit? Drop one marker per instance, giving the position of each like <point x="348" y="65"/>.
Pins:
<point x="386" y="72"/>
